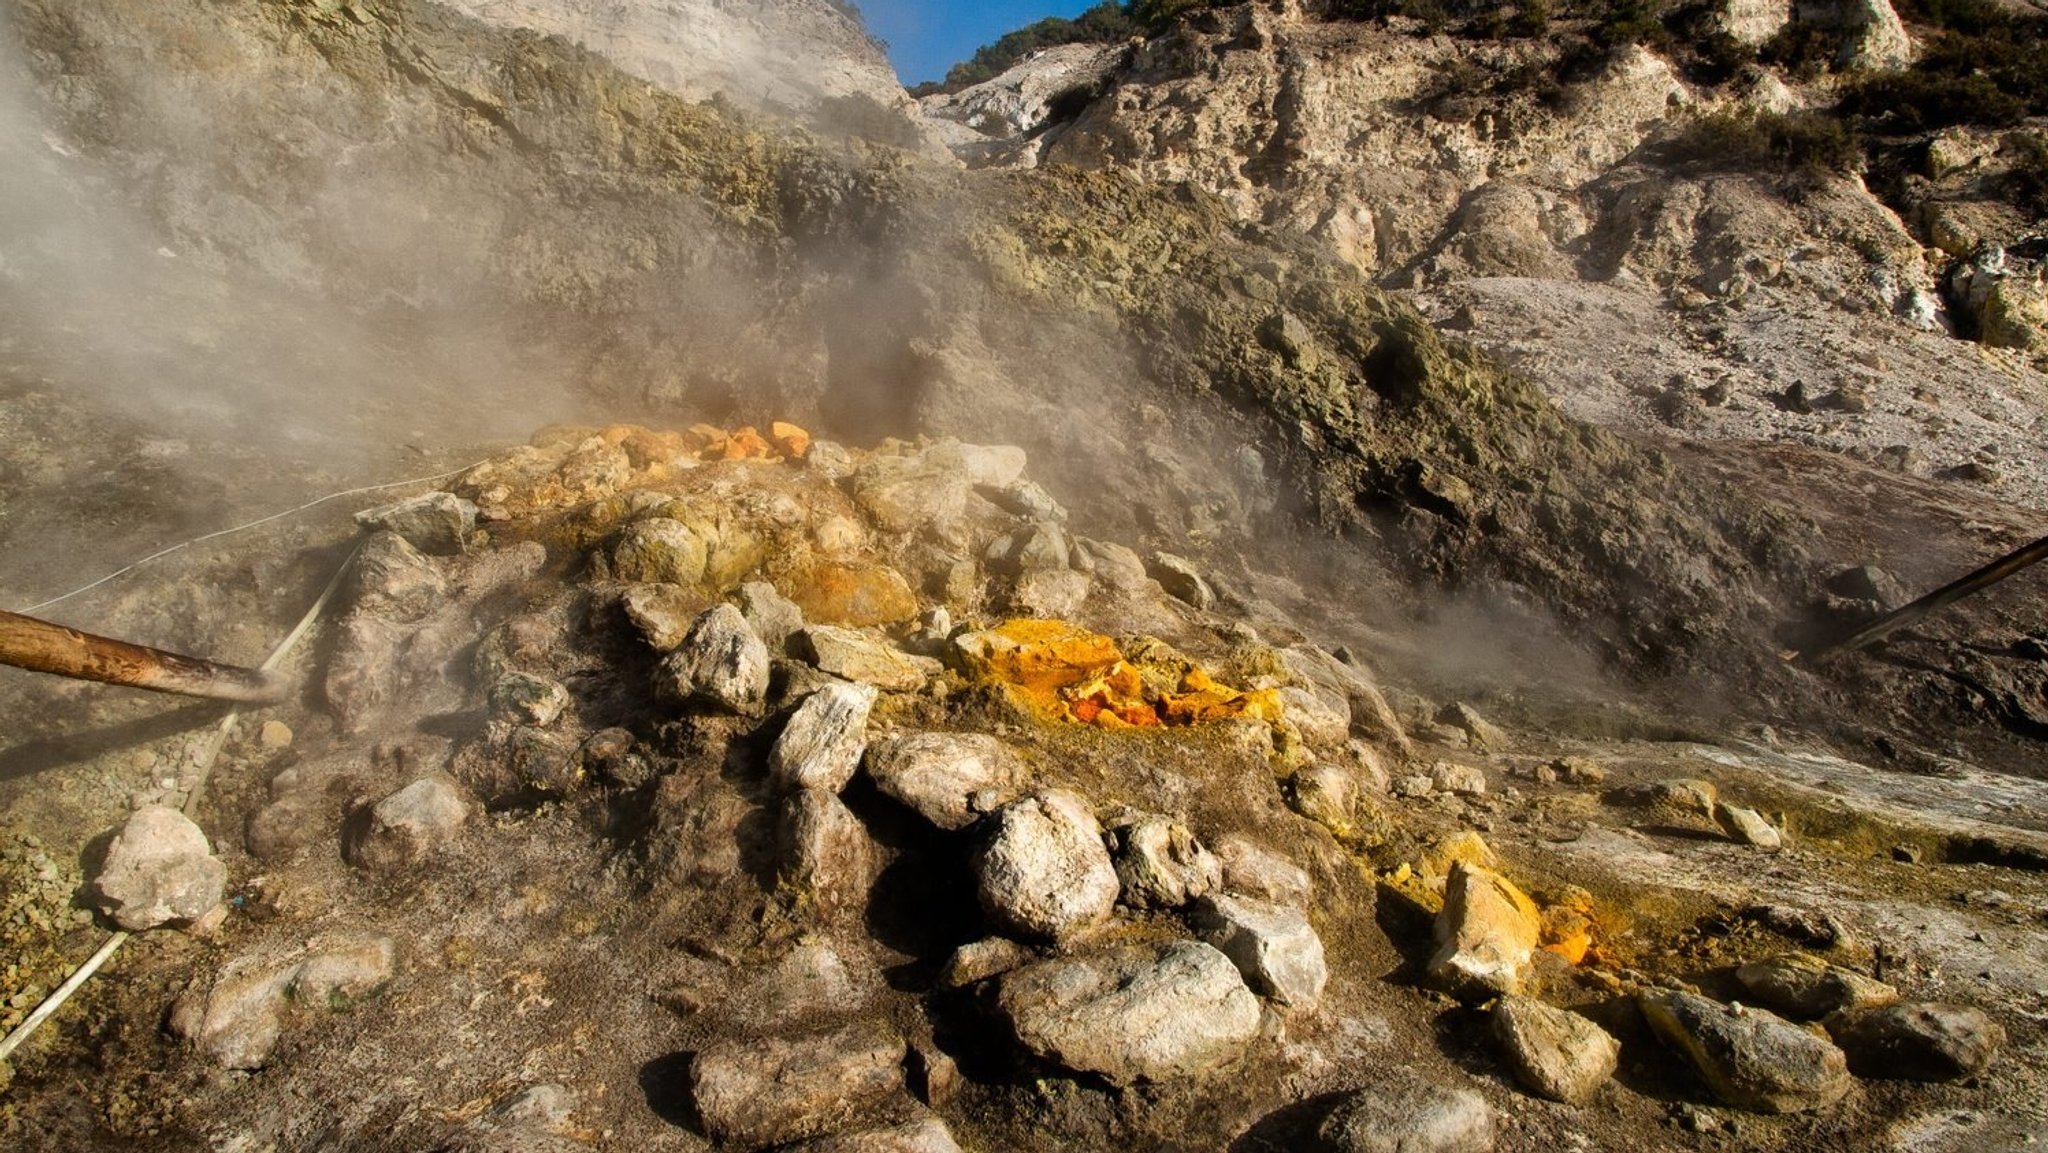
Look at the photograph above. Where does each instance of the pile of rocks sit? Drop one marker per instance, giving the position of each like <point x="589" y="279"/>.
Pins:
<point x="772" y="685"/>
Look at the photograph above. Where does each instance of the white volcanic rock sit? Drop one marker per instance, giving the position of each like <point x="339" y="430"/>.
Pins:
<point x="806" y="56"/>
<point x="1043" y="872"/>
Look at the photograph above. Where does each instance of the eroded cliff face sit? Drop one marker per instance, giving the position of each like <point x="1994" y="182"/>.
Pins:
<point x="809" y="59"/>
<point x="1525" y="188"/>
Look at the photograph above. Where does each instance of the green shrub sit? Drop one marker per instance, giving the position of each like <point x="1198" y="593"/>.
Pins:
<point x="1912" y="102"/>
<point x="1801" y="145"/>
<point x="1106" y="23"/>
<point x="2029" y="175"/>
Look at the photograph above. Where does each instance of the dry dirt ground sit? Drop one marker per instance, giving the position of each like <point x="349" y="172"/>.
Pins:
<point x="1614" y="599"/>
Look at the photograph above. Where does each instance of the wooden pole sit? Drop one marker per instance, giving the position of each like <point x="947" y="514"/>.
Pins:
<point x="1933" y="602"/>
<point x="28" y="643"/>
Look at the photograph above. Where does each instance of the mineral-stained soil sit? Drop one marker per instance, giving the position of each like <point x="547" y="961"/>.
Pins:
<point x="400" y="241"/>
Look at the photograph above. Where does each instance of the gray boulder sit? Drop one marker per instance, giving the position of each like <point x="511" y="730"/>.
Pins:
<point x="1181" y="580"/>
<point x="1043" y="871"/>
<point x="1273" y="945"/>
<point x="852" y="655"/>
<point x="1160" y="864"/>
<point x="821" y="746"/>
<point x="1751" y="1058"/>
<point x="395" y="581"/>
<point x="773" y="616"/>
<point x="905" y="493"/>
<point x="1133" y="1013"/>
<point x="765" y="1091"/>
<point x="406" y="827"/>
<point x="1252" y="870"/>
<point x="1918" y="1041"/>
<point x="159" y="870"/>
<point x="1554" y="1052"/>
<point x="720" y="662"/>
<point x="827" y="856"/>
<point x="662" y="613"/>
<point x="1403" y="1113"/>
<point x="941" y="774"/>
<point x="1748" y="826"/>
<point x="437" y="523"/>
<point x="658" y="550"/>
<point x="1804" y="987"/>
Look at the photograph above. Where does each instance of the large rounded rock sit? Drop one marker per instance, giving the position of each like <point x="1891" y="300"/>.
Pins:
<point x="1802" y="986"/>
<point x="658" y="549"/>
<point x="159" y="870"/>
<point x="763" y="1092"/>
<point x="406" y="827"/>
<point x="1043" y="871"/>
<point x="941" y="775"/>
<point x="1555" y="1052"/>
<point x="1133" y="1013"/>
<point x="1750" y="1058"/>
<point x="1918" y="1041"/>
<point x="1403" y="1113"/>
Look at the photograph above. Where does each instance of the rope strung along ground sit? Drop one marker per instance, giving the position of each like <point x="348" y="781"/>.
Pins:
<point x="217" y="742"/>
<point x="207" y="757"/>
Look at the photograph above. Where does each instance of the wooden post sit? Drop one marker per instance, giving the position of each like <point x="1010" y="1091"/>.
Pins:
<point x="29" y="643"/>
<point x="1940" y="598"/>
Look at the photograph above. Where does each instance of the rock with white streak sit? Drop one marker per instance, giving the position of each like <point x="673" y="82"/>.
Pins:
<point x="1273" y="945"/>
<point x="821" y="746"/>
<point x="721" y="663"/>
<point x="159" y="870"/>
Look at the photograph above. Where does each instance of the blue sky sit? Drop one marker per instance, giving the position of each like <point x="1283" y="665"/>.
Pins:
<point x="926" y="37"/>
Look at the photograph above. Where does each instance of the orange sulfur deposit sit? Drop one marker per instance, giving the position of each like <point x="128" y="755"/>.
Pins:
<point x="784" y="441"/>
<point x="1064" y="670"/>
